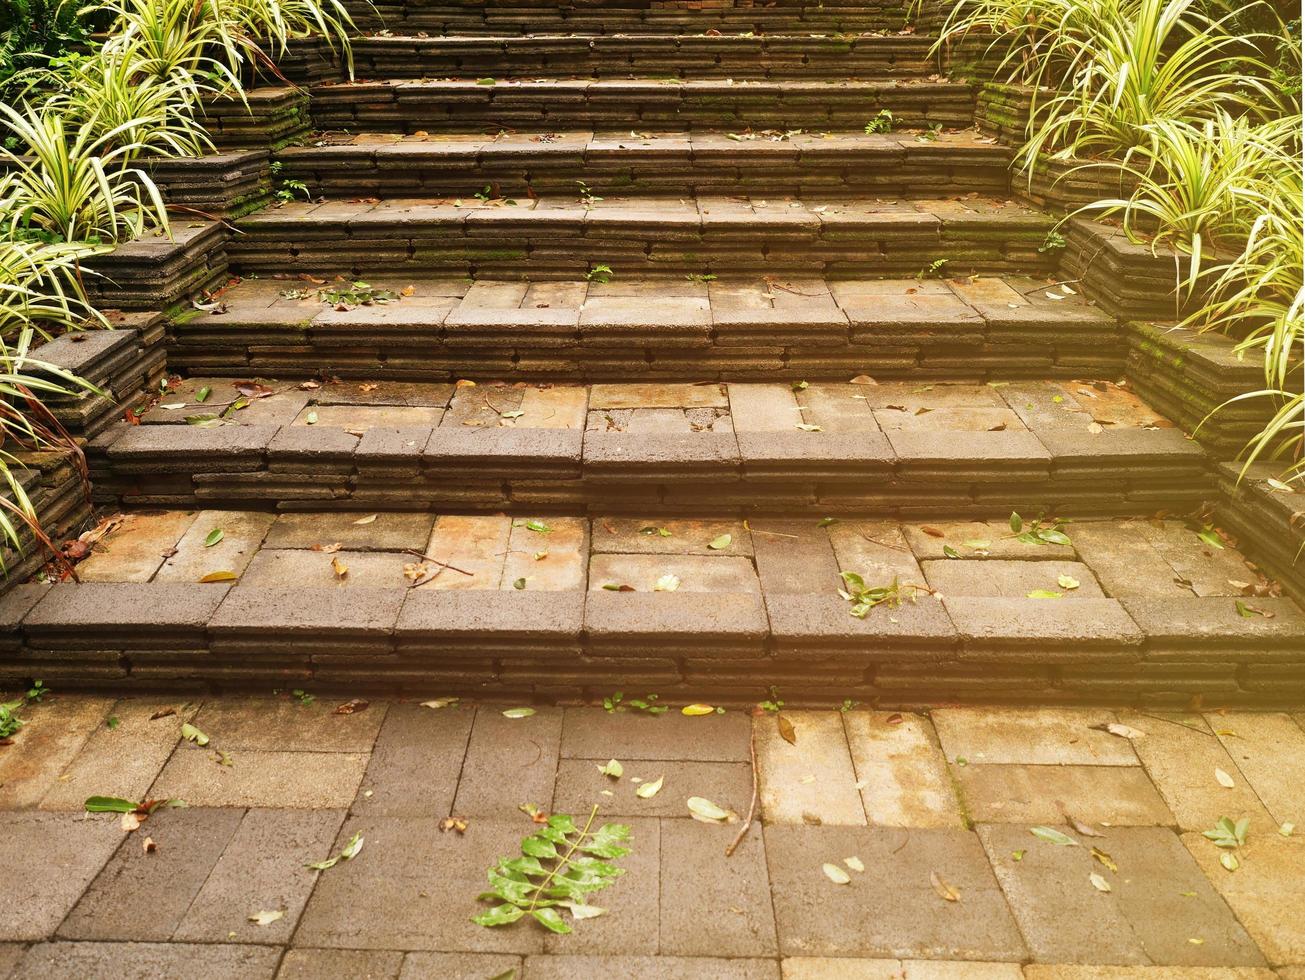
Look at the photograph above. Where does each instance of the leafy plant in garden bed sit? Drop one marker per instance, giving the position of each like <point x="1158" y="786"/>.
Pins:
<point x="560" y="866"/>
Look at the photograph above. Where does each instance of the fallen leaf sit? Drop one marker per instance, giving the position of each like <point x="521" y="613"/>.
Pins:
<point x="1053" y="836"/>
<point x="441" y="702"/>
<point x="148" y="846"/>
<point x="945" y="891"/>
<point x="613" y="769"/>
<point x="1105" y="859"/>
<point x="1098" y="882"/>
<point x="1045" y="594"/>
<point x="214" y="536"/>
<point x="695" y="710"/>
<point x="647" y="791"/>
<point x="854" y="863"/>
<point x="1122" y="730"/>
<point x="1067" y="582"/>
<point x="130" y="822"/>
<point x="786" y="730"/>
<point x="369" y="519"/>
<point x="351" y="707"/>
<point x="223" y="576"/>
<point x="707" y="810"/>
<point x="721" y="543"/>
<point x="518" y="712"/>
<point x="1229" y="860"/>
<point x="454" y="823"/>
<point x="350" y="852"/>
<point x="932" y="531"/>
<point x="863" y="379"/>
<point x="339" y="568"/>
<point x="1080" y="827"/>
<point x="1224" y="779"/>
<point x="266" y="918"/>
<point x="165" y="713"/>
<point x="667" y="583"/>
<point x="836" y="874"/>
<point x="192" y="734"/>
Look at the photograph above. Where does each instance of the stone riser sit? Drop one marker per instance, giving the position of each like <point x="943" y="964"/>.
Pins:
<point x="443" y="107"/>
<point x="569" y="644"/>
<point x="645" y="57"/>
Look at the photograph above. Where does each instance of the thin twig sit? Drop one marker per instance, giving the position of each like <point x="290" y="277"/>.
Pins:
<point x="436" y="561"/>
<point x="756" y="791"/>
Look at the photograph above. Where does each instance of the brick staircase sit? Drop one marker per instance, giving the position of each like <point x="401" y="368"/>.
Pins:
<point x="670" y="342"/>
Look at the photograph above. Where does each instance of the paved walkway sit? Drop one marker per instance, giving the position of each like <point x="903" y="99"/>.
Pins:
<point x="1054" y="843"/>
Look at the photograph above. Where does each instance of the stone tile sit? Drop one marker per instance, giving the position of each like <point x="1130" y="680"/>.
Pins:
<point x="580" y="785"/>
<point x="242" y="533"/>
<point x="311" y="780"/>
<point x="189" y="843"/>
<point x="1031" y="736"/>
<point x="657" y="396"/>
<point x="287" y="568"/>
<point x="812" y="781"/>
<point x="891" y="909"/>
<point x="978" y="539"/>
<point x="763" y="408"/>
<point x="121" y="761"/>
<point x="416" y="762"/>
<point x="836" y="408"/>
<point x="629" y="536"/>
<point x="794" y="558"/>
<point x="147" y="961"/>
<point x="901" y="770"/>
<point x="949" y="419"/>
<point x="588" y="733"/>
<point x="1180" y="754"/>
<point x="697" y="573"/>
<point x="557" y="407"/>
<point x="721" y="905"/>
<point x="1265" y="891"/>
<point x="360" y="418"/>
<point x="1270" y="751"/>
<point x="10" y="954"/>
<point x="1010" y="579"/>
<point x="564" y="550"/>
<point x="55" y="731"/>
<point x="134" y="552"/>
<point x="72" y="849"/>
<point x="394" y="531"/>
<point x="262" y="869"/>
<point x="645" y="967"/>
<point x="509" y="761"/>
<point x="1125" y="561"/>
<point x="1206" y="571"/>
<point x="458" y="966"/>
<point x="876" y="550"/>
<point x="413" y="887"/>
<point x="285" y="725"/>
<point x="475" y="544"/>
<point x="1041" y="971"/>
<point x="845" y="968"/>
<point x="1109" y="795"/>
<point x="329" y="964"/>
<point x="1145" y="918"/>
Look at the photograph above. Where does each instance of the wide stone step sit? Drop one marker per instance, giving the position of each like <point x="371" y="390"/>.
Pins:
<point x="903" y="164"/>
<point x="656" y="328"/>
<point x="456" y="105"/>
<point x="519" y="18"/>
<point x="771" y="56"/>
<point x="565" y="237"/>
<point x="1118" y="612"/>
<point x="893" y="449"/>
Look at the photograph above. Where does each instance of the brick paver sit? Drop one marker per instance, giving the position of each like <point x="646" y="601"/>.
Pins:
<point x="302" y="779"/>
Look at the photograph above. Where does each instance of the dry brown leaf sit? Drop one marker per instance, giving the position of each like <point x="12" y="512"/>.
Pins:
<point x="454" y="823"/>
<point x="352" y="707"/>
<point x="339" y="567"/>
<point x="932" y="531"/>
<point x="786" y="730"/>
<point x="148" y="845"/>
<point x="945" y="891"/>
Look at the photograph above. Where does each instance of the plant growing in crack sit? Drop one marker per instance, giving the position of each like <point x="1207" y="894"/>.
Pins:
<point x="1038" y="531"/>
<point x="600" y="274"/>
<point x="560" y="866"/>
<point x="865" y="597"/>
<point x="617" y="701"/>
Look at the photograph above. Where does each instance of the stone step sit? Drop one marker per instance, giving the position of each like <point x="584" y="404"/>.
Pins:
<point x="457" y="105"/>
<point x="557" y="236"/>
<point x="1130" y="612"/>
<point x="659" y="56"/>
<point x="499" y="19"/>
<point x="900" y="164"/>
<point x="893" y="449"/>
<point x="664" y="328"/>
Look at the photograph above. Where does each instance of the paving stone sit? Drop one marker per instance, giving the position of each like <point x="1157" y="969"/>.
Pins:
<point x="262" y="869"/>
<point x="122" y="761"/>
<point x="1180" y="754"/>
<point x="1210" y="571"/>
<point x="1113" y="795"/>
<point x="1124" y="559"/>
<point x="794" y="557"/>
<point x="147" y="961"/>
<point x="310" y="780"/>
<point x="134" y="552"/>
<point x="389" y="532"/>
<point x="565" y="551"/>
<point x="627" y="536"/>
<point x="288" y="568"/>
<point x="978" y="539"/>
<point x="721" y="906"/>
<point x="588" y="733"/>
<point x="509" y="761"/>
<point x="1031" y="736"/>
<point x="763" y="408"/>
<point x="580" y="784"/>
<point x="473" y="544"/>
<point x="1041" y="971"/>
<point x="558" y="407"/>
<point x="10" y="954"/>
<point x="72" y="850"/>
<point x="657" y="396"/>
<point x="284" y="724"/>
<point x="242" y="533"/>
<point x="1011" y="579"/>
<point x="811" y="781"/>
<point x="1032" y="630"/>
<point x="458" y="966"/>
<point x="1145" y="918"/>
<point x="846" y="968"/>
<point x="1264" y="892"/>
<point x="900" y="770"/>
<point x="649" y="967"/>
<point x="413" y="887"/>
<point x="55" y="731"/>
<point x="1270" y="751"/>
<point x="414" y="766"/>
<point x="697" y="573"/>
<point x="906" y="919"/>
<point x="165" y="881"/>
<point x="876" y="550"/>
<point x="359" y="418"/>
<point x="328" y="964"/>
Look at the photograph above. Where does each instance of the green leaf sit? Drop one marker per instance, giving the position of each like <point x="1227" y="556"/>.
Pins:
<point x="201" y="396"/>
<point x="836" y="874"/>
<point x="311" y="418"/>
<point x="667" y="583"/>
<point x="721" y="543"/>
<point x="539" y="527"/>
<point x="113" y="721"/>
<point x="613" y="769"/>
<point x="1210" y="537"/>
<point x="647" y="791"/>
<point x="950" y="552"/>
<point x="534" y="846"/>
<point x="826" y="521"/>
<point x="1016" y="523"/>
<point x="1229" y="860"/>
<point x="707" y="809"/>
<point x="1045" y="594"/>
<point x="551" y="920"/>
<point x="214" y="536"/>
<point x="564" y="823"/>
<point x="499" y="915"/>
<point x="1053" y="536"/>
<point x="110" y="804"/>
<point x="1067" y="582"/>
<point x="1053" y="836"/>
<point x="192" y="734"/>
<point x="349" y="852"/>
<point x="519" y="584"/>
<point x="518" y="712"/>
